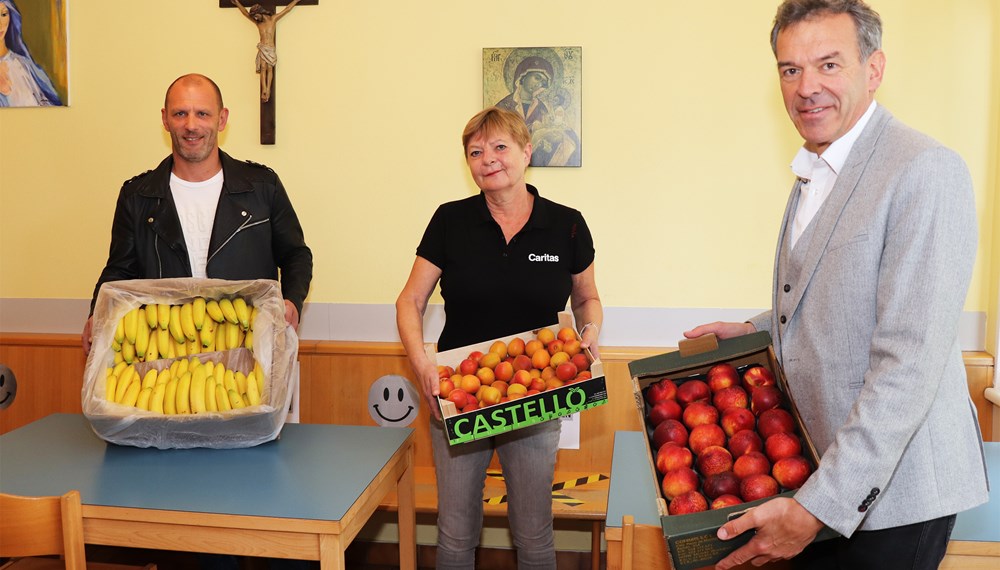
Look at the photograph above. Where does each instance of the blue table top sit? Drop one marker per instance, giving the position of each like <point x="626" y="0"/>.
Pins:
<point x="311" y="471"/>
<point x="633" y="491"/>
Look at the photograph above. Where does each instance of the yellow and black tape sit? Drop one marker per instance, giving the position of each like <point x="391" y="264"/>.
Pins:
<point x="556" y="496"/>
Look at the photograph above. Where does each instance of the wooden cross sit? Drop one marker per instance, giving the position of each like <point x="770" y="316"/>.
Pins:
<point x="265" y="16"/>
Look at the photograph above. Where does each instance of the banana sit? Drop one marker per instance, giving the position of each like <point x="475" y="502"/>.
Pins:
<point x="229" y="311"/>
<point x="131" y="321"/>
<point x="193" y="346"/>
<point x="132" y="394"/>
<point x="232" y="335"/>
<point x="236" y="400"/>
<point x="180" y="348"/>
<point x="222" y="398"/>
<point x="163" y="315"/>
<point x="123" y="383"/>
<point x="229" y="381"/>
<point x="259" y="377"/>
<point x="163" y="377"/>
<point x="253" y="316"/>
<point x="163" y="341"/>
<point x="153" y="350"/>
<point x="151" y="315"/>
<point x="119" y="357"/>
<point x="242" y="312"/>
<point x="170" y="397"/>
<point x="198" y="307"/>
<point x="220" y="336"/>
<point x="110" y="387"/>
<point x="117" y="370"/>
<point x="258" y="370"/>
<point x="183" y="365"/>
<point x="183" y="404"/>
<point x="187" y="321"/>
<point x="156" y="399"/>
<point x="120" y="331"/>
<point x="214" y="311"/>
<point x="144" y="396"/>
<point x="241" y="382"/>
<point x="149" y="380"/>
<point x="197" y="393"/>
<point x="219" y="372"/>
<point x="141" y="338"/>
<point x="128" y="352"/>
<point x="253" y="396"/>
<point x="248" y="339"/>
<point x="207" y="334"/>
<point x="174" y="324"/>
<point x="116" y="346"/>
<point x="210" y="402"/>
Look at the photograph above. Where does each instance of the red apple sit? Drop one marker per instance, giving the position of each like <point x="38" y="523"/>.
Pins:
<point x="700" y="413"/>
<point x="745" y="441"/>
<point x="468" y="366"/>
<point x="725" y="483"/>
<point x="679" y="481"/>
<point x="566" y="371"/>
<point x="670" y="430"/>
<point x="665" y="410"/>
<point x="705" y="436"/>
<point x="671" y="456"/>
<point x="758" y="486"/>
<point x="782" y="445"/>
<point x="713" y="460"/>
<point x="521" y="362"/>
<point x="663" y="390"/>
<point x="774" y="421"/>
<point x="757" y="376"/>
<point x="693" y="391"/>
<point x="722" y="376"/>
<point x="725" y="501"/>
<point x="791" y="472"/>
<point x="737" y="419"/>
<point x="731" y="397"/>
<point x="690" y="502"/>
<point x="751" y="463"/>
<point x="763" y="398"/>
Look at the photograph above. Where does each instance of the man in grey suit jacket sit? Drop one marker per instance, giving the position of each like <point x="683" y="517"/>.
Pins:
<point x="872" y="268"/>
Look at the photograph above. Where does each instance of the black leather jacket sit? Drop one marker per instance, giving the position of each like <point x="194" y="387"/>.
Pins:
<point x="256" y="231"/>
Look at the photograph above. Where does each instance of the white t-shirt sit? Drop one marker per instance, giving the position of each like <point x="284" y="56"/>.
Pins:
<point x="196" y="204"/>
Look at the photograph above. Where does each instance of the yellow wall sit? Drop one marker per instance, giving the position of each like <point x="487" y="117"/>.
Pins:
<point x="685" y="142"/>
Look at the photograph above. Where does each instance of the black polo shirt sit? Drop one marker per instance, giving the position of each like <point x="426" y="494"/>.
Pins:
<point x="493" y="289"/>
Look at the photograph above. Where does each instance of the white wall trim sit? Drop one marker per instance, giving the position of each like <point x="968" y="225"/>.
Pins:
<point x="623" y="326"/>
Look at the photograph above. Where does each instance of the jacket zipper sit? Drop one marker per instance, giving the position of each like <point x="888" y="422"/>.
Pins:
<point x="242" y="227"/>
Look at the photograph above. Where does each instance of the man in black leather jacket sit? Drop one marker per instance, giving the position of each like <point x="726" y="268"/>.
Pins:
<point x="164" y="226"/>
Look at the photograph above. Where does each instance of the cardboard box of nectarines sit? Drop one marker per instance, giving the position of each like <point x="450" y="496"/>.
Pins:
<point x="517" y="381"/>
<point x="724" y="436"/>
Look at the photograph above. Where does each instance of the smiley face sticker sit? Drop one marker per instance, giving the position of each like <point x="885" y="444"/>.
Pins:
<point x="393" y="401"/>
<point x="8" y="386"/>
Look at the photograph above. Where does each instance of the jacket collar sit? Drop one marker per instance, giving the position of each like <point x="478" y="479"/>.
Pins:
<point x="157" y="184"/>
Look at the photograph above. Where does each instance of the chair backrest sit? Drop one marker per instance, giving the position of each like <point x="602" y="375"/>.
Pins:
<point x="33" y="526"/>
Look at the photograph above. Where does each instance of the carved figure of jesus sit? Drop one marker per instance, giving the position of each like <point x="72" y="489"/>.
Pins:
<point x="267" y="51"/>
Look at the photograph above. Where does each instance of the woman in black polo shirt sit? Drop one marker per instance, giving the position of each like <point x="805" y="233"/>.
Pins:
<point x="507" y="260"/>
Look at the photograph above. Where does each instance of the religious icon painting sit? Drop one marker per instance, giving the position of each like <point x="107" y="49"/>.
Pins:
<point x="33" y="62"/>
<point x="543" y="85"/>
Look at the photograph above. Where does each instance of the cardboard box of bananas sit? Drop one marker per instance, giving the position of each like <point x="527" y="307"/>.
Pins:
<point x="182" y="363"/>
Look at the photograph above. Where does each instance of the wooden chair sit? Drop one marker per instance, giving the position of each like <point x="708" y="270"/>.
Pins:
<point x="31" y="527"/>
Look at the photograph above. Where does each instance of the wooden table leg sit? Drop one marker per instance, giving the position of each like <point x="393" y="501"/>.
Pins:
<point x="595" y="546"/>
<point x="406" y="494"/>
<point x="331" y="552"/>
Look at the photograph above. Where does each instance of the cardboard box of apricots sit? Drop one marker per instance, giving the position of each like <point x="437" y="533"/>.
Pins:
<point x="711" y="463"/>
<point x="513" y="391"/>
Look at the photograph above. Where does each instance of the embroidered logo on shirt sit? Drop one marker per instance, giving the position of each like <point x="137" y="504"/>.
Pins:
<point x="543" y="257"/>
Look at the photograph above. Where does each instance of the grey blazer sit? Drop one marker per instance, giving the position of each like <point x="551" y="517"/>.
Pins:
<point x="864" y="320"/>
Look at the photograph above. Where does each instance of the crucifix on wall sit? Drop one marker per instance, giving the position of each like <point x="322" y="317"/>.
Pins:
<point x="264" y="15"/>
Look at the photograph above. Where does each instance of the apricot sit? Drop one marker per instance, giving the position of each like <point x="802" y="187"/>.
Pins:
<point x="515" y="347"/>
<point x="545" y="336"/>
<point x="499" y="347"/>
